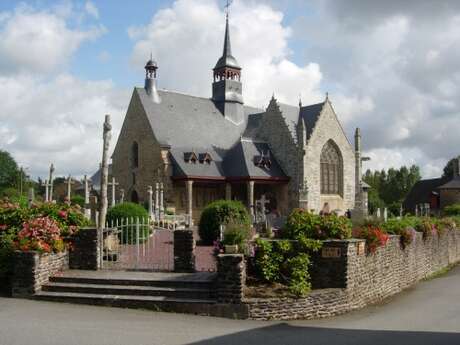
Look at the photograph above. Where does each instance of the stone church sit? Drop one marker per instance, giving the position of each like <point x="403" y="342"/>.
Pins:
<point x="205" y="149"/>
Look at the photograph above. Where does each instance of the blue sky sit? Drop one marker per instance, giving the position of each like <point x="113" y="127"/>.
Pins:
<point x="391" y="68"/>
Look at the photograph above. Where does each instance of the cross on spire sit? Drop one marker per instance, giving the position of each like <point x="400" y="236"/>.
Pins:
<point x="227" y="6"/>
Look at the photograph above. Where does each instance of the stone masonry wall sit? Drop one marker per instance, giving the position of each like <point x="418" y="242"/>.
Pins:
<point x="32" y="270"/>
<point x="231" y="278"/>
<point x="328" y="128"/>
<point x="184" y="251"/>
<point x="355" y="279"/>
<point x="85" y="254"/>
<point x="136" y="127"/>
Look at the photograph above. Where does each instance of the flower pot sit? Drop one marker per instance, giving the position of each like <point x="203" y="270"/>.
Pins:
<point x="231" y="249"/>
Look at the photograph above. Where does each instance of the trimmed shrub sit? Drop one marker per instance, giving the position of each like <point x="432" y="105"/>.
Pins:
<point x="78" y="200"/>
<point x="236" y="234"/>
<point x="452" y="210"/>
<point x="128" y="212"/>
<point x="221" y="212"/>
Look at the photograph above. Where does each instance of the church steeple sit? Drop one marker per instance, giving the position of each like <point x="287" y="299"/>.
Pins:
<point x="227" y="87"/>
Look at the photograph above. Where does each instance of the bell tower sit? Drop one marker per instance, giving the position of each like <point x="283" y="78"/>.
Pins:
<point x="227" y="91"/>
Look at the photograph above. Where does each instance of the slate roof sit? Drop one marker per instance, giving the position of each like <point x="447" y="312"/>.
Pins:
<point x="421" y="193"/>
<point x="194" y="124"/>
<point x="452" y="184"/>
<point x="96" y="178"/>
<point x="310" y="115"/>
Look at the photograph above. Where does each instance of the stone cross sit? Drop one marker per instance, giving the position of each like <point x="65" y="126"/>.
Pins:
<point x="161" y="200"/>
<point x="93" y="209"/>
<point x="46" y="185"/>
<point x="31" y="196"/>
<point x="150" y="194"/>
<point x="416" y="210"/>
<point x="401" y="211"/>
<point x="87" y="209"/>
<point x="51" y="182"/>
<point x="69" y="182"/>
<point x="262" y="202"/>
<point x="105" y="171"/>
<point x="379" y="213"/>
<point x="385" y="214"/>
<point x="122" y="195"/>
<point x="157" y="200"/>
<point x="113" y="184"/>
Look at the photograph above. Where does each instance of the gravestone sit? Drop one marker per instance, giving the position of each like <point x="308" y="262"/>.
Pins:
<point x="69" y="182"/>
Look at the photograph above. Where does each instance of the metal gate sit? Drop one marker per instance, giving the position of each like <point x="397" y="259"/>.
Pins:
<point x="138" y="244"/>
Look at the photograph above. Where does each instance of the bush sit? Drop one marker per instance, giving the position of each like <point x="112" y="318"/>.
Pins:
<point x="127" y="212"/>
<point x="236" y="234"/>
<point x="452" y="210"/>
<point x="302" y="223"/>
<point x="286" y="262"/>
<point x="427" y="227"/>
<point x="375" y="237"/>
<point x="78" y="200"/>
<point x="221" y="212"/>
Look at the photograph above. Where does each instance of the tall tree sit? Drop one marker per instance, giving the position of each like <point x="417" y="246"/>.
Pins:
<point x="448" y="171"/>
<point x="9" y="170"/>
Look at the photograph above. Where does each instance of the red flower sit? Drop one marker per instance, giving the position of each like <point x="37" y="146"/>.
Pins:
<point x="62" y="214"/>
<point x="3" y="227"/>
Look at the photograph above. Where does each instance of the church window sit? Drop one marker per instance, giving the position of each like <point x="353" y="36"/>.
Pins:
<point x="135" y="155"/>
<point x="331" y="169"/>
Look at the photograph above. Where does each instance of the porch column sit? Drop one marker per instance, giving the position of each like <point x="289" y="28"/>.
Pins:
<point x="251" y="198"/>
<point x="228" y="191"/>
<point x="189" y="193"/>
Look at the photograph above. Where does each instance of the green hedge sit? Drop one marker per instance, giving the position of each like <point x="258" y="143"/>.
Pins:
<point x="127" y="213"/>
<point x="452" y="210"/>
<point x="221" y="212"/>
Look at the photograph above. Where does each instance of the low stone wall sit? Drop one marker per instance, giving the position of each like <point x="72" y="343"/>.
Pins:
<point x="85" y="251"/>
<point x="184" y="251"/>
<point x="350" y="278"/>
<point x="32" y="270"/>
<point x="231" y="278"/>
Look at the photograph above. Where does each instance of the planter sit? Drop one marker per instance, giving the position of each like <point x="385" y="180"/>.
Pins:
<point x="231" y="249"/>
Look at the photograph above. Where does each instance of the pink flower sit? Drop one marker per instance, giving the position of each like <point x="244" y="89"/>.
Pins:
<point x="3" y="227"/>
<point x="62" y="214"/>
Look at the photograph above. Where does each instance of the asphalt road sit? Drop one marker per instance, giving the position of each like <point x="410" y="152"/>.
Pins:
<point x="427" y="314"/>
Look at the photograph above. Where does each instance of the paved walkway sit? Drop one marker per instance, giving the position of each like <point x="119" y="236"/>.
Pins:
<point x="426" y="315"/>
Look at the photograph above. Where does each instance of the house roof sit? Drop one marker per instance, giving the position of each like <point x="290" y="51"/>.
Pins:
<point x="310" y="114"/>
<point x="421" y="192"/>
<point x="452" y="184"/>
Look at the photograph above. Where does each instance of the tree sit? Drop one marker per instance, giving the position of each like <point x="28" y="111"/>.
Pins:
<point x="9" y="170"/>
<point x="448" y="171"/>
<point x="390" y="188"/>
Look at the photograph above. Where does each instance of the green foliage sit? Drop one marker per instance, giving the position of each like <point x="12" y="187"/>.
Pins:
<point x="78" y="200"/>
<point x="221" y="212"/>
<point x="303" y="224"/>
<point x="236" y="234"/>
<point x="126" y="210"/>
<point x="452" y="210"/>
<point x="129" y="212"/>
<point x="9" y="170"/>
<point x="390" y="188"/>
<point x="286" y="262"/>
<point x="404" y="227"/>
<point x="448" y="171"/>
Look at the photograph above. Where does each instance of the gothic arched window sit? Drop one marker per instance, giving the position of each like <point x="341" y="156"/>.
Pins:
<point x="331" y="169"/>
<point x="135" y="155"/>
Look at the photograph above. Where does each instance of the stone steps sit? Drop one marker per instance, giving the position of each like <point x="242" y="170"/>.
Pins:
<point x="157" y="303"/>
<point x="201" y="293"/>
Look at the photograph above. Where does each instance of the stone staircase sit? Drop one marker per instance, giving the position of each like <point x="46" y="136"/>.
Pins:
<point x="172" y="292"/>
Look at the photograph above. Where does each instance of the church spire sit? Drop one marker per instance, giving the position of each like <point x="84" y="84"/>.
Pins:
<point x="227" y="87"/>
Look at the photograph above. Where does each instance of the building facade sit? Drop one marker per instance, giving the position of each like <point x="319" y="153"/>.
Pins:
<point x="203" y="149"/>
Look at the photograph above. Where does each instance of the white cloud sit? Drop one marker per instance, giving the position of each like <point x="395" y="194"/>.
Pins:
<point x="46" y="114"/>
<point x="91" y="9"/>
<point x="38" y="41"/>
<point x="187" y="38"/>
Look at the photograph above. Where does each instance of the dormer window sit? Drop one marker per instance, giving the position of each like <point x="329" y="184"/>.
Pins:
<point x="263" y="161"/>
<point x="205" y="158"/>
<point x="190" y="157"/>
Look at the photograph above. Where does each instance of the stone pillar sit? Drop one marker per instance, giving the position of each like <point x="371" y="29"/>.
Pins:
<point x="32" y="270"/>
<point x="251" y="199"/>
<point x="228" y="191"/>
<point x="150" y="195"/>
<point x="87" y="209"/>
<point x="93" y="209"/>
<point x="162" y="205"/>
<point x="231" y="278"/>
<point x="85" y="254"/>
<point x="184" y="251"/>
<point x="189" y="193"/>
<point x="157" y="201"/>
